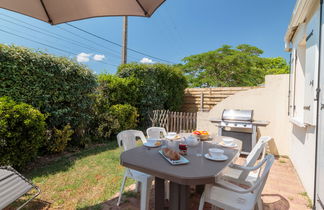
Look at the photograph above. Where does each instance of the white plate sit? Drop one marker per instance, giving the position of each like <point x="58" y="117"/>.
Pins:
<point x="172" y="137"/>
<point x="152" y="145"/>
<point x="216" y="158"/>
<point x="232" y="145"/>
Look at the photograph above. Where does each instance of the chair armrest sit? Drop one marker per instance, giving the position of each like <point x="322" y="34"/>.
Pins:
<point x="248" y="168"/>
<point x="232" y="187"/>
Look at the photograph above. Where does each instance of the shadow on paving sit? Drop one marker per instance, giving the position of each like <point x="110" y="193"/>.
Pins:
<point x="131" y="201"/>
<point x="277" y="202"/>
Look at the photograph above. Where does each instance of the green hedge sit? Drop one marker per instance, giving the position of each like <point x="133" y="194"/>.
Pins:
<point x="114" y="90"/>
<point x="57" y="86"/>
<point x="161" y="86"/>
<point x="22" y="130"/>
<point x="115" y="119"/>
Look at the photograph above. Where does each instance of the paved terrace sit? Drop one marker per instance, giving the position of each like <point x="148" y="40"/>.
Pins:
<point x="283" y="191"/>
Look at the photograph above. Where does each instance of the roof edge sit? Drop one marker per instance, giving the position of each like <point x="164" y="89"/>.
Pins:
<point x="300" y="12"/>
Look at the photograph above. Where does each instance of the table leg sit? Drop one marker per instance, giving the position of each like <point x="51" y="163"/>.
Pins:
<point x="174" y="196"/>
<point x="179" y="196"/>
<point x="184" y="197"/>
<point x="159" y="194"/>
<point x="200" y="189"/>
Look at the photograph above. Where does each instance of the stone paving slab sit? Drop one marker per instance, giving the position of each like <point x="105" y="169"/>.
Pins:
<point x="282" y="191"/>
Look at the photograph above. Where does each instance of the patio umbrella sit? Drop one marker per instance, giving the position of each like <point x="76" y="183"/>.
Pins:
<point x="61" y="11"/>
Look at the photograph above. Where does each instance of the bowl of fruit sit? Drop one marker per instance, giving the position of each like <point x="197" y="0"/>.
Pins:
<point x="202" y="135"/>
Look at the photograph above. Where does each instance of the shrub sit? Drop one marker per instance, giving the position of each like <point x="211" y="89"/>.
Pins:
<point x="161" y="87"/>
<point x="117" y="118"/>
<point x="114" y="90"/>
<point x="58" y="139"/>
<point x="57" y="86"/>
<point x="22" y="130"/>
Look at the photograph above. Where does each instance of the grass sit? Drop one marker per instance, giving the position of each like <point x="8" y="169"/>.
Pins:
<point x="82" y="180"/>
<point x="309" y="201"/>
<point x="282" y="161"/>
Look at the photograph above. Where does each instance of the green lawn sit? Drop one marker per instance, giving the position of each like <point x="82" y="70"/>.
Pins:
<point x="82" y="180"/>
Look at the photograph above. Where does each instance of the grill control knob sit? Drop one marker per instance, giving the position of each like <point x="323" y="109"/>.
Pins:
<point x="235" y="124"/>
<point x="244" y="125"/>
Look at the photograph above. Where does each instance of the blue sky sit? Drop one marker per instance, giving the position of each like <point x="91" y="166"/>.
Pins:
<point x="179" y="28"/>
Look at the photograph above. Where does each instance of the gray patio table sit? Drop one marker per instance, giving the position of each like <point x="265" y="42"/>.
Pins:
<point x="199" y="171"/>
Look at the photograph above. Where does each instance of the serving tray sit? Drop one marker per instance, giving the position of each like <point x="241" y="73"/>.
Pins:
<point x="182" y="160"/>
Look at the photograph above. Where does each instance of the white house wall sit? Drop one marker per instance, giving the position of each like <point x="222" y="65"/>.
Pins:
<point x="302" y="135"/>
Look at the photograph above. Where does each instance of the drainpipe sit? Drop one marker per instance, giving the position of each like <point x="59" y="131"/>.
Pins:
<point x="318" y="104"/>
<point x="289" y="91"/>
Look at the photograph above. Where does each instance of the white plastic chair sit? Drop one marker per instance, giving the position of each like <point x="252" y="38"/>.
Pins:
<point x="228" y="196"/>
<point x="232" y="173"/>
<point x="127" y="140"/>
<point x="155" y="132"/>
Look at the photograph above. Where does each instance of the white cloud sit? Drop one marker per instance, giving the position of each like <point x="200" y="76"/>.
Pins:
<point x="98" y="57"/>
<point x="146" y="60"/>
<point x="83" y="57"/>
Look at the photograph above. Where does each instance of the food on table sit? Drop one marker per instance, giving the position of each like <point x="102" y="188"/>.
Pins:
<point x="183" y="149"/>
<point x="196" y="133"/>
<point x="158" y="143"/>
<point x="203" y="135"/>
<point x="200" y="133"/>
<point x="171" y="154"/>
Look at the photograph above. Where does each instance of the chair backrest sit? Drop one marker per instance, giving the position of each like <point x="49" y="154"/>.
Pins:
<point x="155" y="132"/>
<point x="127" y="139"/>
<point x="255" y="154"/>
<point x="261" y="181"/>
<point x="260" y="146"/>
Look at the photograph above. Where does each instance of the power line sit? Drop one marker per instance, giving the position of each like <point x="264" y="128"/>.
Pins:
<point x="116" y="44"/>
<point x="55" y="35"/>
<point x="50" y="46"/>
<point x="89" y="40"/>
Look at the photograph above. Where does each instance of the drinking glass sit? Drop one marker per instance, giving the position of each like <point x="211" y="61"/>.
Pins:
<point x="200" y="149"/>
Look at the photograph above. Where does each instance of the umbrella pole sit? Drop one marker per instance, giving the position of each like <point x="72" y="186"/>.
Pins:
<point x="124" y="49"/>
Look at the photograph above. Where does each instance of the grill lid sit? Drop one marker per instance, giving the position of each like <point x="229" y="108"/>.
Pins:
<point x="237" y="115"/>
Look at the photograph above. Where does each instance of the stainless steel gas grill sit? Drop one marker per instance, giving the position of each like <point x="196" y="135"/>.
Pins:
<point x="239" y="124"/>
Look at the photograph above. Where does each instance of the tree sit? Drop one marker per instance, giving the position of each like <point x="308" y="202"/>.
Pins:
<point x="227" y="66"/>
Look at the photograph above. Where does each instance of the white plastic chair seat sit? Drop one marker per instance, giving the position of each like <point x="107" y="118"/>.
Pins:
<point x="229" y="196"/>
<point x="139" y="176"/>
<point x="216" y="194"/>
<point x="232" y="174"/>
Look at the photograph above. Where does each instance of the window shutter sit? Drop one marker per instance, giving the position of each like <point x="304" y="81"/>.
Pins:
<point x="311" y="68"/>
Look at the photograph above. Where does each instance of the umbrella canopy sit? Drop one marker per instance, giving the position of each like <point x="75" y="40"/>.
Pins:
<point x="61" y="11"/>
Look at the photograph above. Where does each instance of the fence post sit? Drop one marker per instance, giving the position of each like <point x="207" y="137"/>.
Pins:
<point x="201" y="101"/>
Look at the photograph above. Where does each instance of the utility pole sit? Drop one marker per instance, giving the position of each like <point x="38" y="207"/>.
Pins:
<point x="124" y="49"/>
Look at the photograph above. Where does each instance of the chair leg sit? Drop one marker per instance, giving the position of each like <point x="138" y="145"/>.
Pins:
<point x="260" y="204"/>
<point x="121" y="189"/>
<point x="138" y="187"/>
<point x="202" y="201"/>
<point x="167" y="189"/>
<point x="145" y="194"/>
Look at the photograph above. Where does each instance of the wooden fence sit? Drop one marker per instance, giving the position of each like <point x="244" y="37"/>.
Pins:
<point x="204" y="99"/>
<point x="175" y="121"/>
